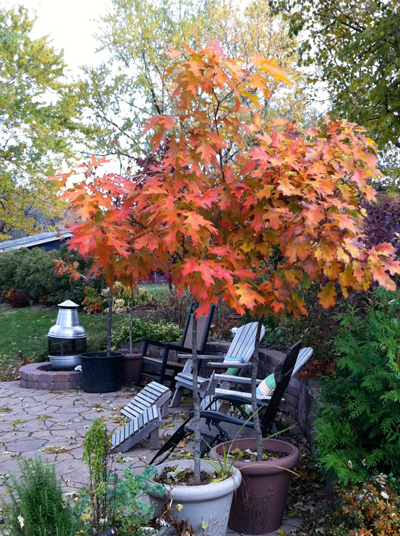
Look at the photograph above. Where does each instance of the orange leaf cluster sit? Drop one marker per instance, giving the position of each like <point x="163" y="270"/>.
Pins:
<point x="239" y="209"/>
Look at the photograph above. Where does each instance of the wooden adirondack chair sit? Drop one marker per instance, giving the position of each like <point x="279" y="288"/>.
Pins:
<point x="215" y="418"/>
<point x="163" y="369"/>
<point x="239" y="354"/>
<point x="268" y="412"/>
<point x="220" y="392"/>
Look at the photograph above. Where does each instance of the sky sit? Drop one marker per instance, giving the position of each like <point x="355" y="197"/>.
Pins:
<point x="70" y="25"/>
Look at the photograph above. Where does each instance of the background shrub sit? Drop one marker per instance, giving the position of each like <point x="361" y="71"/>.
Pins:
<point x="358" y="432"/>
<point x="31" y="272"/>
<point x="160" y="330"/>
<point x="316" y="330"/>
<point x="18" y="300"/>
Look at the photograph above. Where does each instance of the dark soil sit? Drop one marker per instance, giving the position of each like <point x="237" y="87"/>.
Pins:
<point x="251" y="456"/>
<point x="179" y="476"/>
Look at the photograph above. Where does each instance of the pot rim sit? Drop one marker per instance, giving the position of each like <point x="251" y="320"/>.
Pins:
<point x="267" y="467"/>
<point x="204" y="491"/>
<point x="100" y="355"/>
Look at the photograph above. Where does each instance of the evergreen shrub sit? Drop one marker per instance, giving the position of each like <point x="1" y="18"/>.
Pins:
<point x="358" y="432"/>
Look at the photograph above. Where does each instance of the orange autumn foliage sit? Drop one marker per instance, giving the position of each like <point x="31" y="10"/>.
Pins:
<point x="240" y="209"/>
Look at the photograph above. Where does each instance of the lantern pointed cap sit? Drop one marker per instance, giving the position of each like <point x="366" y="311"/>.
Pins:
<point x="68" y="304"/>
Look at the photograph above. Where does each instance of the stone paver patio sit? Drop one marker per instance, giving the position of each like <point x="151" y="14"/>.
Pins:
<point x="52" y="424"/>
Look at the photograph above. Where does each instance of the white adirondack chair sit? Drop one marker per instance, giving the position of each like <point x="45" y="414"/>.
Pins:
<point x="238" y="357"/>
<point x="215" y="388"/>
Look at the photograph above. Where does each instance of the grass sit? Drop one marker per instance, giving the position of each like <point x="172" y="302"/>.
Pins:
<point x="155" y="290"/>
<point x="25" y="330"/>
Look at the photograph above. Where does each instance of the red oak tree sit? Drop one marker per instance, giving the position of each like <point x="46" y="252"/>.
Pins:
<point x="239" y="209"/>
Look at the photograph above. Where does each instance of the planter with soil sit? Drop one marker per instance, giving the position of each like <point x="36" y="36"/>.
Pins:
<point x="259" y="504"/>
<point x="101" y="373"/>
<point x="206" y="507"/>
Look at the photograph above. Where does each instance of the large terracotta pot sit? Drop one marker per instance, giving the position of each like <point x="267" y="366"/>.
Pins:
<point x="259" y="503"/>
<point x="206" y="507"/>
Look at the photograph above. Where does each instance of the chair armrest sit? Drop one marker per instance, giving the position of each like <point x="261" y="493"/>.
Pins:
<point x="155" y="343"/>
<point x="201" y="357"/>
<point x="234" y="379"/>
<point x="240" y="399"/>
<point x="231" y="364"/>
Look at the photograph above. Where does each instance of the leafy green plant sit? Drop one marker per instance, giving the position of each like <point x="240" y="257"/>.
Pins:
<point x="31" y="272"/>
<point x="149" y="329"/>
<point x="358" y="432"/>
<point x="109" y="500"/>
<point x="37" y="507"/>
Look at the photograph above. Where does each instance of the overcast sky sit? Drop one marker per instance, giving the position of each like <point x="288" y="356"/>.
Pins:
<point x="71" y="25"/>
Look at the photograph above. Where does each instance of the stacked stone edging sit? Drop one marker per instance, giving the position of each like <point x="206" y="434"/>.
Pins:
<point x="41" y="376"/>
<point x="301" y="396"/>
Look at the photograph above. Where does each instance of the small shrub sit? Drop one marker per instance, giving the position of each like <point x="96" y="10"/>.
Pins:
<point x="109" y="500"/>
<point x="8" y="295"/>
<point x="173" y="308"/>
<point x="372" y="509"/>
<point x="92" y="303"/>
<point x="37" y="507"/>
<point x="18" y="300"/>
<point x="358" y="431"/>
<point x="146" y="329"/>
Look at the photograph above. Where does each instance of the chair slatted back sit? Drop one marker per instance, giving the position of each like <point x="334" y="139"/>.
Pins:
<point x="242" y="346"/>
<point x="202" y="330"/>
<point x="282" y="382"/>
<point x="303" y="357"/>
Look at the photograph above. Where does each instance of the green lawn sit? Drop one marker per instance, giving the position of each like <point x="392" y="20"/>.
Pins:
<point x="155" y="290"/>
<point x="25" y="330"/>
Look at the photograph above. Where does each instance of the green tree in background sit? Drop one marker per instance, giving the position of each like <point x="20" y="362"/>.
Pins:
<point x="356" y="48"/>
<point x="251" y="29"/>
<point x="39" y="116"/>
<point x="132" y="86"/>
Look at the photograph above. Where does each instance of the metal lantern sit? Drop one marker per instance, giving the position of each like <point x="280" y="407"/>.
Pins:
<point x="67" y="339"/>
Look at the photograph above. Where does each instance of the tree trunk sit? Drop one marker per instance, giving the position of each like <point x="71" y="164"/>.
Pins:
<point x="196" y="401"/>
<point x="130" y="324"/>
<point x="109" y="324"/>
<point x="256" y="415"/>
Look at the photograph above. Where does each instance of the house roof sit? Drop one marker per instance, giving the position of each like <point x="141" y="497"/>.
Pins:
<point x="35" y="240"/>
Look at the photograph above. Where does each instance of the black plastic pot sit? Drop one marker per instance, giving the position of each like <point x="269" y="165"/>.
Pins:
<point x="101" y="374"/>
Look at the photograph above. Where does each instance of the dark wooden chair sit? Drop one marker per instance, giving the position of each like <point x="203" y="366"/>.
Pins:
<point x="164" y="369"/>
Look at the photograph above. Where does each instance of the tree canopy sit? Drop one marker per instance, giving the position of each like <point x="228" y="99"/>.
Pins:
<point x="38" y="114"/>
<point x="356" y="47"/>
<point x="133" y="85"/>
